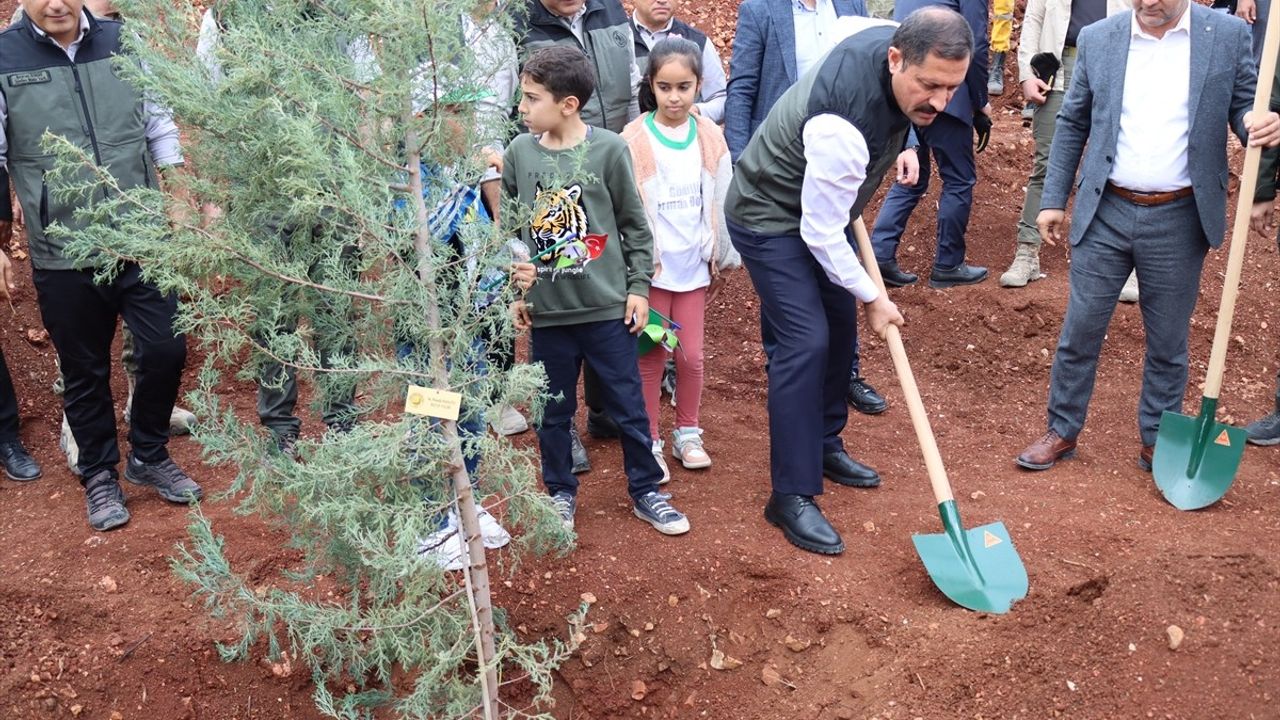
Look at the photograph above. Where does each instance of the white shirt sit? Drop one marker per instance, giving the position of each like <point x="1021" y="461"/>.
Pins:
<point x="1151" y="149"/>
<point x="161" y="132"/>
<point x="679" y="233"/>
<point x="714" y="82"/>
<point x="813" y="32"/>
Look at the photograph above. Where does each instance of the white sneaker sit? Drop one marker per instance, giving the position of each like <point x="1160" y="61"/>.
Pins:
<point x="445" y="547"/>
<point x="506" y="420"/>
<point x="68" y="444"/>
<point x="493" y="534"/>
<point x="662" y="462"/>
<point x="1129" y="294"/>
<point x="686" y="446"/>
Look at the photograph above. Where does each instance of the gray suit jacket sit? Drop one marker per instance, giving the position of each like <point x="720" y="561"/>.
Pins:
<point x="1223" y="81"/>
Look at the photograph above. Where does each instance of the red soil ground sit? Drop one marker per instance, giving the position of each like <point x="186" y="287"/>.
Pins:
<point x="862" y="635"/>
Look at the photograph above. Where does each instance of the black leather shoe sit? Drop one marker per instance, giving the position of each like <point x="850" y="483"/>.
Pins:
<point x="895" y="276"/>
<point x="840" y="468"/>
<point x="18" y="463"/>
<point x="600" y="425"/>
<point x="864" y="398"/>
<point x="961" y="274"/>
<point x="581" y="463"/>
<point x="803" y="524"/>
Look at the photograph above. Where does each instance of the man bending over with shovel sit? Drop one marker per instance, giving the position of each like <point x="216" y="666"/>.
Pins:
<point x="814" y="163"/>
<point x="1151" y="196"/>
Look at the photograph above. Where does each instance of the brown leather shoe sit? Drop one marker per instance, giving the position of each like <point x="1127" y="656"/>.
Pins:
<point x="1144" y="457"/>
<point x="1043" y="453"/>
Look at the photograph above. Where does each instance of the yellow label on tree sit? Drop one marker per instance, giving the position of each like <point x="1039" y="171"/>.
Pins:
<point x="433" y="403"/>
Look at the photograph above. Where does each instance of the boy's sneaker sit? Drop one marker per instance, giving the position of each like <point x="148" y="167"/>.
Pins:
<point x="686" y="446"/>
<point x="662" y="463"/>
<point x="1265" y="430"/>
<point x="445" y="547"/>
<point x="69" y="447"/>
<point x="581" y="463"/>
<point x="565" y="503"/>
<point x="166" y="477"/>
<point x="508" y="421"/>
<point x="655" y="508"/>
<point x="493" y="534"/>
<point x="287" y="444"/>
<point x="104" y="502"/>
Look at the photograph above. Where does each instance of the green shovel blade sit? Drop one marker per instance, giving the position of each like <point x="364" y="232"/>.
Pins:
<point x="1196" y="458"/>
<point x="977" y="569"/>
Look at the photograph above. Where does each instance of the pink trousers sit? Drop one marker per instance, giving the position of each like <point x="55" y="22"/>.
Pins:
<point x="688" y="309"/>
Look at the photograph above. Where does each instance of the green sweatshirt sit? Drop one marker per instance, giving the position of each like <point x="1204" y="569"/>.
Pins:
<point x="592" y="198"/>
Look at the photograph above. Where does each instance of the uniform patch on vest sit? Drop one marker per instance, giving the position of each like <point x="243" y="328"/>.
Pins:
<point x="619" y="38"/>
<point x="29" y="78"/>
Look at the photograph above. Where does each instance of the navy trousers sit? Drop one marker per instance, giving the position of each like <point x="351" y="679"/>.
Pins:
<point x="813" y="321"/>
<point x="1167" y="247"/>
<point x="950" y="142"/>
<point x="611" y="352"/>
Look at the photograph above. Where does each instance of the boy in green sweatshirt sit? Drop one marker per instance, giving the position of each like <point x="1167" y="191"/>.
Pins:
<point x="592" y="250"/>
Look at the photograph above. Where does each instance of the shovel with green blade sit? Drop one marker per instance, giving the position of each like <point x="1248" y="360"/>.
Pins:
<point x="977" y="569"/>
<point x="1196" y="458"/>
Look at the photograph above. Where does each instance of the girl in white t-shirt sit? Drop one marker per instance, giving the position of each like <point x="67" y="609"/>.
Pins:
<point x="682" y="169"/>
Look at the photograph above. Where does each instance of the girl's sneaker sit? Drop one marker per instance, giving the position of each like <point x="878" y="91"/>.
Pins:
<point x="662" y="462"/>
<point x="493" y="534"/>
<point x="686" y="446"/>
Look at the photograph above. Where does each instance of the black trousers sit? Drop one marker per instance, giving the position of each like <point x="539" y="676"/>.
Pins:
<point x="81" y="318"/>
<point x="8" y="404"/>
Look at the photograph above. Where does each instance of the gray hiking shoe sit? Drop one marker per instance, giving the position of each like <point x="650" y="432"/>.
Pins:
<point x="1025" y="267"/>
<point x="1265" y="430"/>
<point x="166" y="477"/>
<point x="104" y="502"/>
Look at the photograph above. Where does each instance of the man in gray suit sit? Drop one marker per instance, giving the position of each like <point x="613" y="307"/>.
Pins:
<point x="1153" y="93"/>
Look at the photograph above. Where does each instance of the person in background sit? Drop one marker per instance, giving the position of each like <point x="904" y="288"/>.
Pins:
<point x="1001" y="32"/>
<point x="18" y="463"/>
<point x="1266" y="429"/>
<point x="655" y="20"/>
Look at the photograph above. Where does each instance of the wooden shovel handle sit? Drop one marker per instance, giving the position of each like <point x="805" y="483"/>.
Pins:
<point x="1244" y="204"/>
<point x="915" y="406"/>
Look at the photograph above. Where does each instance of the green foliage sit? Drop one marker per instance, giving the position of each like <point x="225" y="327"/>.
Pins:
<point x="299" y="131"/>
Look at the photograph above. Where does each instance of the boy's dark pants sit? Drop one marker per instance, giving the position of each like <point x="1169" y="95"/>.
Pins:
<point x="813" y="320"/>
<point x="81" y="318"/>
<point x="611" y="350"/>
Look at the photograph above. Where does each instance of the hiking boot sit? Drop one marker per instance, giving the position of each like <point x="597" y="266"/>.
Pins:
<point x="995" y="80"/>
<point x="686" y="446"/>
<point x="166" y="477"/>
<point x="1129" y="293"/>
<point x="566" y="504"/>
<point x="662" y="463"/>
<point x="655" y="508"/>
<point x="508" y="421"/>
<point x="1025" y="267"/>
<point x="962" y="274"/>
<point x="67" y="442"/>
<point x="1265" y="430"/>
<point x="445" y="547"/>
<point x="104" y="502"/>
<point x="18" y="463"/>
<point x="492" y="534"/>
<point x="581" y="463"/>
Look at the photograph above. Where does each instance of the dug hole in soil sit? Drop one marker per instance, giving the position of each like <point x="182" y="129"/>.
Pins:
<point x="95" y="625"/>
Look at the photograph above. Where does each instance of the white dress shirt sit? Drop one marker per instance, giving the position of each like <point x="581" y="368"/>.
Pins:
<point x="836" y="157"/>
<point x="714" y="82"/>
<point x="161" y="132"/>
<point x="813" y="30"/>
<point x="1155" y="121"/>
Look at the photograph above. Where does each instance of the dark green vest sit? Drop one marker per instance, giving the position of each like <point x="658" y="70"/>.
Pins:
<point x="852" y="81"/>
<point x="83" y="101"/>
